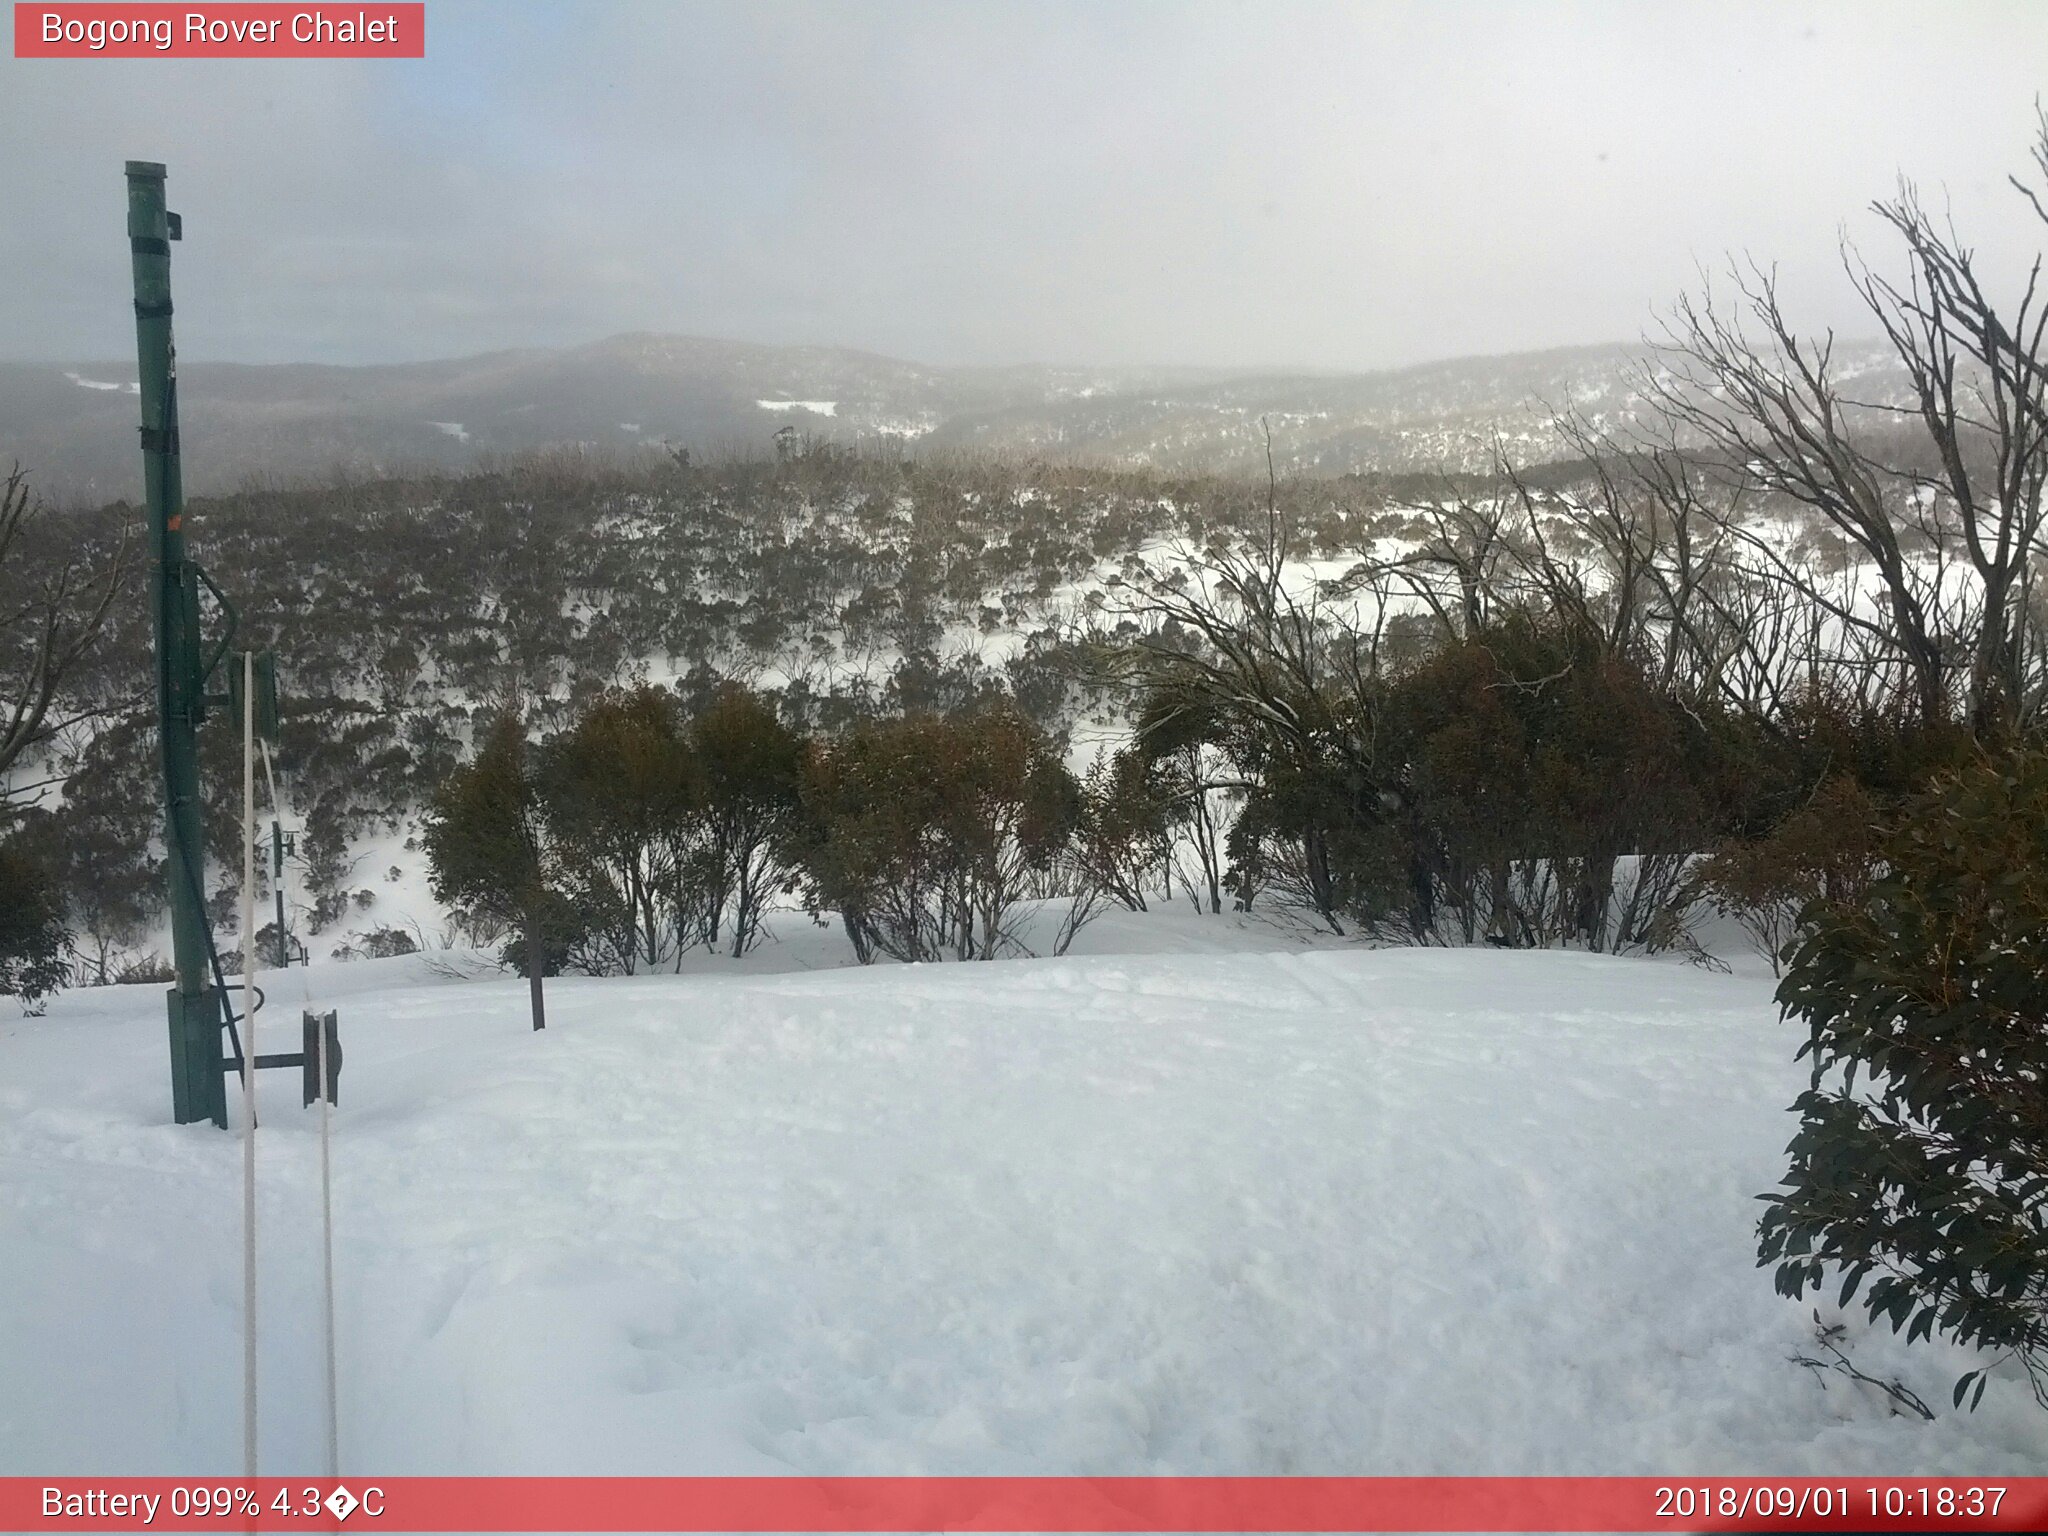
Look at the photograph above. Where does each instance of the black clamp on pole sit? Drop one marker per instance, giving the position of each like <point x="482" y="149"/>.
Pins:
<point x="320" y="1039"/>
<point x="322" y="1032"/>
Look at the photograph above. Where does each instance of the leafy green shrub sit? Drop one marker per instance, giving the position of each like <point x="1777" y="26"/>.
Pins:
<point x="1533" y="763"/>
<point x="925" y="833"/>
<point x="34" y="943"/>
<point x="1934" y="990"/>
<point x="378" y="944"/>
<point x="1827" y="850"/>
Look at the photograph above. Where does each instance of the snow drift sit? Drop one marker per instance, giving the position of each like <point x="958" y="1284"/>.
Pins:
<point x="1242" y="1208"/>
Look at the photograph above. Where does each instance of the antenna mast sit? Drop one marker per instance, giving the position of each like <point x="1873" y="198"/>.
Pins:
<point x="197" y="1006"/>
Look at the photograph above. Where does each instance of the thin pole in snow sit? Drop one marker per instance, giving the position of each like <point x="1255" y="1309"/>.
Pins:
<point x="327" y="1264"/>
<point x="326" y="1156"/>
<point x="249" y="1063"/>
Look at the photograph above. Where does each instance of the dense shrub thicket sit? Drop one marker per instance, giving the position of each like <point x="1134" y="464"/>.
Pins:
<point x="1522" y="730"/>
<point x="864" y="585"/>
<point x="642" y="831"/>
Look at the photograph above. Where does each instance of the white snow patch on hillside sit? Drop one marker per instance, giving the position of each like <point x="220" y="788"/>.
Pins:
<point x="1201" y="1202"/>
<point x="84" y="383"/>
<point x="454" y="429"/>
<point x="820" y="407"/>
<point x="903" y="426"/>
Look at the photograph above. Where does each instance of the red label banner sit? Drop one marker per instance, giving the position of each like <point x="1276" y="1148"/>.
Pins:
<point x="371" y="30"/>
<point x="867" y="1504"/>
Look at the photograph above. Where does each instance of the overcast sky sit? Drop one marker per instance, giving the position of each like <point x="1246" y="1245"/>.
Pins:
<point x="1335" y="186"/>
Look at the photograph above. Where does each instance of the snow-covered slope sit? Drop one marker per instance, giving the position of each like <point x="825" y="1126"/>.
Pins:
<point x="1226" y="1205"/>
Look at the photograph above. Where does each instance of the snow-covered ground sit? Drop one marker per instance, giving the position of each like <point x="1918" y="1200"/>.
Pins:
<point x="1204" y="1200"/>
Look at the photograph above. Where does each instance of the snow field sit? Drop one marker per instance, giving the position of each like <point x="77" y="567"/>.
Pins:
<point x="1195" y="1203"/>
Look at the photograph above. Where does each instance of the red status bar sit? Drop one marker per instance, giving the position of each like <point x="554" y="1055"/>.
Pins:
<point x="1199" y="1504"/>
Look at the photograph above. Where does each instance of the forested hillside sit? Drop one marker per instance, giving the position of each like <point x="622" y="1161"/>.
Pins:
<point x="849" y="586"/>
<point x="1162" y="624"/>
<point x="633" y="395"/>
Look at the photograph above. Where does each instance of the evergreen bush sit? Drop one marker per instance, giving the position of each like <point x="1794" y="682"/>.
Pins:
<point x="1932" y="990"/>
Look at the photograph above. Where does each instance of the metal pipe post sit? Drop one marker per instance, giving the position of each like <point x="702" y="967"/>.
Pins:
<point x="198" y="1085"/>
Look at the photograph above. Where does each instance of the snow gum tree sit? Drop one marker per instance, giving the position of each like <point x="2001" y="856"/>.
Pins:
<point x="748" y="766"/>
<point x="489" y="848"/>
<point x="923" y="832"/>
<point x="620" y="787"/>
<point x="58" y="583"/>
<point x="1957" y="634"/>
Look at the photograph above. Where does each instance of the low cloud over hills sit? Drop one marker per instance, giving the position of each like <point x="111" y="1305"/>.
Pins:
<point x="73" y="425"/>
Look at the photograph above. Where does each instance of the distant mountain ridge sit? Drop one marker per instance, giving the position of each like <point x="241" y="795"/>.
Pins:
<point x="73" y="426"/>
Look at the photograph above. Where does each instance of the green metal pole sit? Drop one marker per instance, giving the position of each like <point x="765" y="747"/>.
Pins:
<point x="198" y="1085"/>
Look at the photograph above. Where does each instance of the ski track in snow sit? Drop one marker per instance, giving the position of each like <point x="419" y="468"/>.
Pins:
<point x="1325" y="1211"/>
